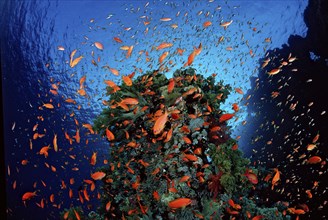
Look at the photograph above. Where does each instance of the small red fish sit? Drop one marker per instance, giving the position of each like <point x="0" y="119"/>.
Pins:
<point x="110" y="135"/>
<point x="179" y="203"/>
<point x="235" y="107"/>
<point x="93" y="159"/>
<point x="251" y="177"/>
<point x="238" y="90"/>
<point x="98" y="175"/>
<point x="118" y="40"/>
<point x="127" y="80"/>
<point x="226" y="117"/>
<point x="275" y="178"/>
<point x="314" y="160"/>
<point x="206" y="24"/>
<point x="28" y="195"/>
<point x="99" y="45"/>
<point x="163" y="56"/>
<point x="156" y="196"/>
<point x="160" y="123"/>
<point x="164" y="45"/>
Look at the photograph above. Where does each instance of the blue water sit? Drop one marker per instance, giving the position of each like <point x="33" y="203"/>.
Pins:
<point x="31" y="32"/>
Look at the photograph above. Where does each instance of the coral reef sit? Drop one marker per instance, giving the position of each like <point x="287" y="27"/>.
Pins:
<point x="172" y="156"/>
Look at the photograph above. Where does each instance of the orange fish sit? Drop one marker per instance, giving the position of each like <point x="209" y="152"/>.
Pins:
<point x="77" y="215"/>
<point x="164" y="45"/>
<point x="68" y="138"/>
<point x="198" y="151"/>
<point x="35" y="127"/>
<point x="89" y="127"/>
<point x="226" y="24"/>
<point x="52" y="198"/>
<point x="235" y="107"/>
<point x="93" y="159"/>
<point x="124" y="48"/>
<point x="233" y="204"/>
<point x="168" y="135"/>
<point x="114" y="71"/>
<point x="226" y="117"/>
<point x="258" y="217"/>
<point x="190" y="59"/>
<point x="127" y="80"/>
<point x="198" y="50"/>
<point x="130" y="101"/>
<point x="130" y="170"/>
<point x="77" y="136"/>
<point x="72" y="55"/>
<point x="276" y="177"/>
<point x="316" y="138"/>
<point x="215" y="128"/>
<point x="85" y="193"/>
<point x="82" y="80"/>
<point x="128" y="54"/>
<point x="69" y="100"/>
<point x="156" y="196"/>
<point x="206" y="24"/>
<point x="309" y="194"/>
<point x="314" y="160"/>
<point x="310" y="147"/>
<point x="44" y="151"/>
<point x="143" y="163"/>
<point x="165" y="19"/>
<point x="99" y="45"/>
<point x="75" y="61"/>
<point x="110" y="135"/>
<point x="24" y="162"/>
<point x="136" y="184"/>
<point x="170" y="86"/>
<point x="274" y="72"/>
<point x="238" y="90"/>
<point x="234" y="147"/>
<point x="70" y="193"/>
<point x="28" y="195"/>
<point x="184" y="179"/>
<point x="118" y="40"/>
<point x="180" y="51"/>
<point x="186" y="140"/>
<point x="155" y="171"/>
<point x="163" y="56"/>
<point x="191" y="157"/>
<point x="251" y="177"/>
<point x="108" y="206"/>
<point x="179" y="203"/>
<point x="48" y="105"/>
<point x="112" y="85"/>
<point x="54" y="142"/>
<point x="98" y="175"/>
<point x="296" y="211"/>
<point x="160" y="123"/>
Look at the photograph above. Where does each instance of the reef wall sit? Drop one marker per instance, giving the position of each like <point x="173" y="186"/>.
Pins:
<point x="289" y="108"/>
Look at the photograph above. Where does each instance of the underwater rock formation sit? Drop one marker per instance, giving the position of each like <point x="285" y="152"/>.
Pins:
<point x="172" y="156"/>
<point x="288" y="109"/>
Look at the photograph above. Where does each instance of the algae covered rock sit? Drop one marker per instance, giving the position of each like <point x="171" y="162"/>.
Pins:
<point x="171" y="155"/>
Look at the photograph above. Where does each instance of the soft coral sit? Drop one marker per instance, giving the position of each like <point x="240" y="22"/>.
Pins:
<point x="214" y="184"/>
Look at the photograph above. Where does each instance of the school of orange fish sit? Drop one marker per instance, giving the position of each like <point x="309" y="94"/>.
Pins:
<point x="164" y="56"/>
